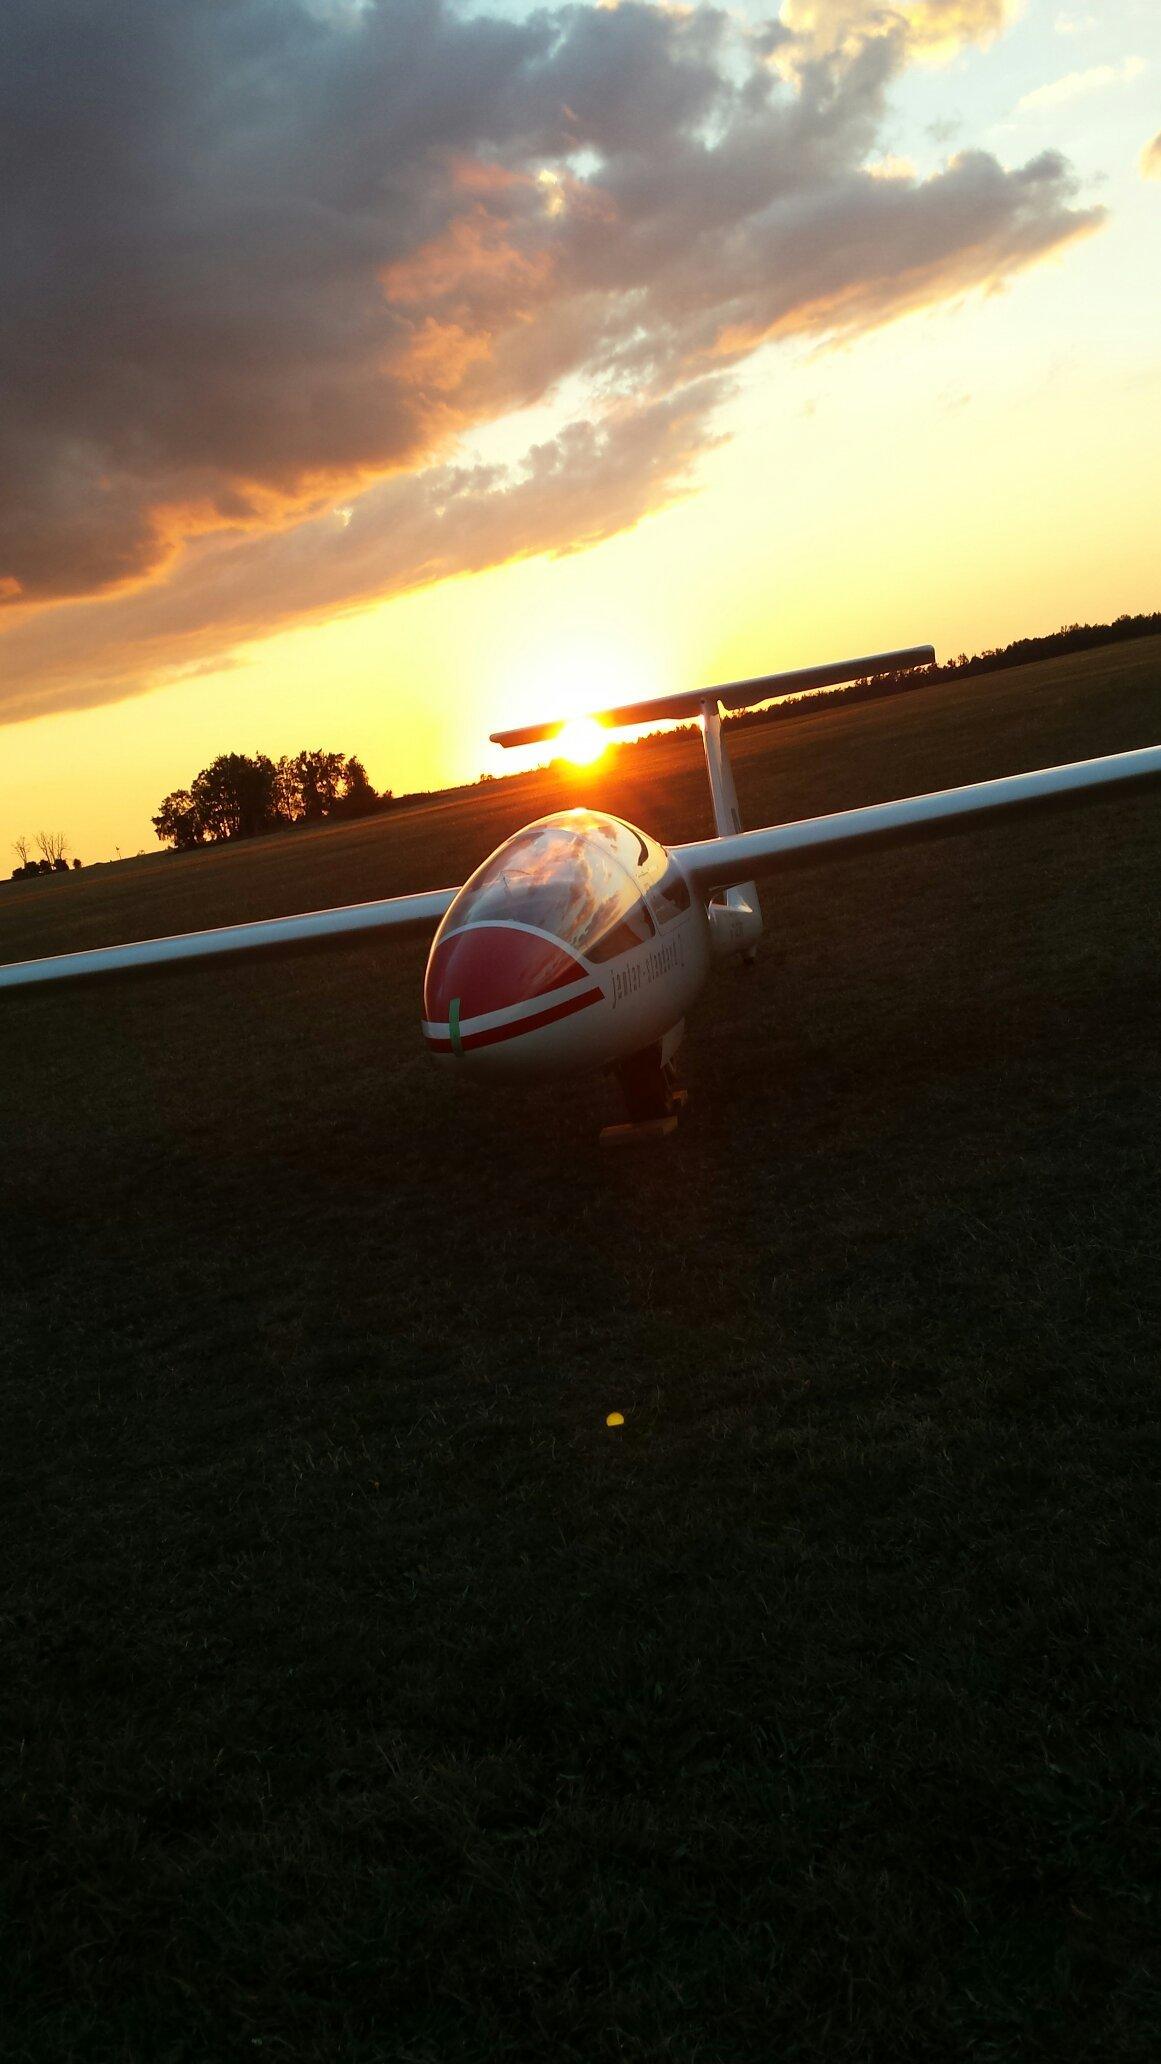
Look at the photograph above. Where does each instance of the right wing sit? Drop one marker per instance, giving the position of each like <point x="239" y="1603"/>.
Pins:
<point x="405" y="916"/>
<point x="722" y="863"/>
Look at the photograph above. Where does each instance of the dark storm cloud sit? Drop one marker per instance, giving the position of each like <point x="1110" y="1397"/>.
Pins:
<point x="571" y="490"/>
<point x="257" y="256"/>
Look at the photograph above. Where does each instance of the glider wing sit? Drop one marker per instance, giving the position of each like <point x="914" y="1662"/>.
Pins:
<point x="720" y="863"/>
<point x="402" y="915"/>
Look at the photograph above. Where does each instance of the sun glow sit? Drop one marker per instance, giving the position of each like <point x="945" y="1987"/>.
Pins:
<point x="566" y="676"/>
<point x="582" y="741"/>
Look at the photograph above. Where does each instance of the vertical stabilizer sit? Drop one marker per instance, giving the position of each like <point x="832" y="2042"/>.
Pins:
<point x="736" y="915"/>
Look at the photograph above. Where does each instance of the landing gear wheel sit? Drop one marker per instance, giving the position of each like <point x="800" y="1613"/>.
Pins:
<point x="652" y="1099"/>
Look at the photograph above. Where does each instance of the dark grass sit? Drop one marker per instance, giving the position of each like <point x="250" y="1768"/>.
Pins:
<point x="366" y="1698"/>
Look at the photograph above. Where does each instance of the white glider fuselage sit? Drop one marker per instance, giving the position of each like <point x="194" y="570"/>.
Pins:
<point x="576" y="945"/>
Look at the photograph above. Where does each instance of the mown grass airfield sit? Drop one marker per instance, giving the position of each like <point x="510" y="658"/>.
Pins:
<point x="369" y="1696"/>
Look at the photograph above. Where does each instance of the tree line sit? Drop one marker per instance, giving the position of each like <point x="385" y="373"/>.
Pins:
<point x="244" y="795"/>
<point x="1021" y="652"/>
<point x="52" y="847"/>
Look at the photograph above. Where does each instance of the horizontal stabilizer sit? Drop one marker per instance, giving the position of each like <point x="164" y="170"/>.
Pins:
<point x="403" y="915"/>
<point x="732" y="695"/>
<point x="722" y="863"/>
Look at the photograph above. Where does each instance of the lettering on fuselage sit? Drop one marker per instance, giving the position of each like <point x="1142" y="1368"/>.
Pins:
<point x="646" y="968"/>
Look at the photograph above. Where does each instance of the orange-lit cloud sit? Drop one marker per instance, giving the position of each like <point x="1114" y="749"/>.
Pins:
<point x="1151" y="159"/>
<point x="934" y="27"/>
<point x="217" y="328"/>
<point x="570" y="491"/>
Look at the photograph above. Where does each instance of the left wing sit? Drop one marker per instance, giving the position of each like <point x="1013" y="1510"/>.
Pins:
<point x="721" y="863"/>
<point x="403" y="915"/>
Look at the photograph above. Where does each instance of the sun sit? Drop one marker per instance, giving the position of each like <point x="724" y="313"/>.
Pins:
<point x="582" y="740"/>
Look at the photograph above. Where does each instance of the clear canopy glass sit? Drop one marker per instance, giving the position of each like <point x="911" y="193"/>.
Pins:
<point x="578" y="875"/>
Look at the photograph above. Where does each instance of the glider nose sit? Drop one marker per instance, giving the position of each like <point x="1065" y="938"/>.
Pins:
<point x="490" y="983"/>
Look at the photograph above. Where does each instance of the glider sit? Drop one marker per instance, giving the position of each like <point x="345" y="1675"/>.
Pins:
<point x="581" y="942"/>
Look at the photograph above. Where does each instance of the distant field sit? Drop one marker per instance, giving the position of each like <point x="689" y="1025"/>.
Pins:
<point x="364" y="1696"/>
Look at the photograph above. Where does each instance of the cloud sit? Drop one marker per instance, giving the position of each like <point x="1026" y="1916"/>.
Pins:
<point x="930" y="27"/>
<point x="1075" y="85"/>
<point x="264" y="260"/>
<point x="891" y="166"/>
<point x="1151" y="159"/>
<point x="586" y="483"/>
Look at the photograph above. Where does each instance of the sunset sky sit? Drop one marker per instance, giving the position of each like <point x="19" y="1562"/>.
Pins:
<point x="375" y="375"/>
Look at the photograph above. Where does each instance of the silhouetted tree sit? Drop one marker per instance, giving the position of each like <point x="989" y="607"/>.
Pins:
<point x="317" y="784"/>
<point x="236" y="796"/>
<point x="179" y="821"/>
<point x="52" y="846"/>
<point x="359" y="797"/>
<point x="76" y="865"/>
<point x="311" y="784"/>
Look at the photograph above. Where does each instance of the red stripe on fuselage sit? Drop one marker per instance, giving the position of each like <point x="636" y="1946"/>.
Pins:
<point x="492" y="966"/>
<point x="515" y="1026"/>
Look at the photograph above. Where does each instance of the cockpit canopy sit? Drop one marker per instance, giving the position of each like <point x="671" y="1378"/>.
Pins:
<point x="580" y="875"/>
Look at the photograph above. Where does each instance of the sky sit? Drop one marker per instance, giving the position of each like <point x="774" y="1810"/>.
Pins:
<point x="376" y="375"/>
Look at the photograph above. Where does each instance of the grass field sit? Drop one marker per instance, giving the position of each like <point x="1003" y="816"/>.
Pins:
<point x="365" y="1697"/>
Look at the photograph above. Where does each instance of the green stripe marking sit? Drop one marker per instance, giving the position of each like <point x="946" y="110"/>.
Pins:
<point x="453" y="1026"/>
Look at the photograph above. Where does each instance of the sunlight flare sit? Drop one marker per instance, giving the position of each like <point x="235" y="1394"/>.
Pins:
<point x="582" y="741"/>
